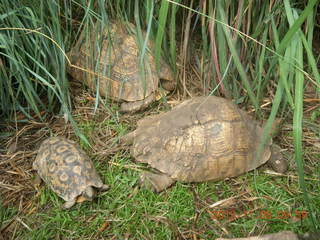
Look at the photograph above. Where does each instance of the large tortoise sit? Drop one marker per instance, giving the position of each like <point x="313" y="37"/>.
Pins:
<point x="201" y="139"/>
<point x="118" y="66"/>
<point x="66" y="168"/>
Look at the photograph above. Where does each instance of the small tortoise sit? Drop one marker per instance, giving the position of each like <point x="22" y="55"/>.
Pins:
<point x="121" y="77"/>
<point x="66" y="168"/>
<point x="201" y="139"/>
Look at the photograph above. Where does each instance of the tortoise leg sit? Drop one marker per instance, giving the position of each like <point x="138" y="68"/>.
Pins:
<point x="277" y="161"/>
<point x="128" y="138"/>
<point x="136" y="105"/>
<point x="105" y="187"/>
<point x="89" y="193"/>
<point x="37" y="180"/>
<point x="155" y="182"/>
<point x="68" y="204"/>
<point x="168" y="85"/>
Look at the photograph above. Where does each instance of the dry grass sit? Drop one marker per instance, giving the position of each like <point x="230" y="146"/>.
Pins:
<point x="102" y="129"/>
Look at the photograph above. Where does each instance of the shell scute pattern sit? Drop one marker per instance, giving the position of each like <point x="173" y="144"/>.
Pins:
<point x="65" y="167"/>
<point x="121" y="77"/>
<point x="201" y="139"/>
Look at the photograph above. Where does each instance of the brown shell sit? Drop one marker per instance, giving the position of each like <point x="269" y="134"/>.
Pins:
<point x="119" y="72"/>
<point x="65" y="167"/>
<point x="204" y="138"/>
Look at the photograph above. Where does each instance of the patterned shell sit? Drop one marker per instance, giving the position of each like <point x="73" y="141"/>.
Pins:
<point x="65" y="167"/>
<point x="118" y="65"/>
<point x="205" y="138"/>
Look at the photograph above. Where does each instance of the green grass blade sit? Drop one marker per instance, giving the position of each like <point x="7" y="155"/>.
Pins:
<point x="312" y="61"/>
<point x="237" y="62"/>
<point x="172" y="37"/>
<point x="163" y="13"/>
<point x="261" y="64"/>
<point x="297" y="24"/>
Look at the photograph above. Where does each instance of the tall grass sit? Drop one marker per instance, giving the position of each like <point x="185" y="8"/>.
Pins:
<point x="251" y="51"/>
<point x="33" y="64"/>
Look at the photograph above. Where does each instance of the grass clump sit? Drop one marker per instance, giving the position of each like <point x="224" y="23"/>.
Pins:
<point x="258" y="53"/>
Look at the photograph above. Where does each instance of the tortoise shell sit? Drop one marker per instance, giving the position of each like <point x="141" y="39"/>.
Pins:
<point x="201" y="139"/>
<point x="118" y="66"/>
<point x="66" y="168"/>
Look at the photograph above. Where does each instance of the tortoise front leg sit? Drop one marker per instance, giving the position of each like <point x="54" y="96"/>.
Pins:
<point x="155" y="182"/>
<point x="105" y="187"/>
<point x="37" y="180"/>
<point x="68" y="204"/>
<point x="137" y="105"/>
<point x="88" y="194"/>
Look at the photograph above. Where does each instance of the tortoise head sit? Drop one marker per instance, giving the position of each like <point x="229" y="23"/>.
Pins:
<point x="277" y="161"/>
<point x="166" y="76"/>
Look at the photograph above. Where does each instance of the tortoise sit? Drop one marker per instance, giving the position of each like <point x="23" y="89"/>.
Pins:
<point x="66" y="168"/>
<point x="201" y="139"/>
<point x="120" y="75"/>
